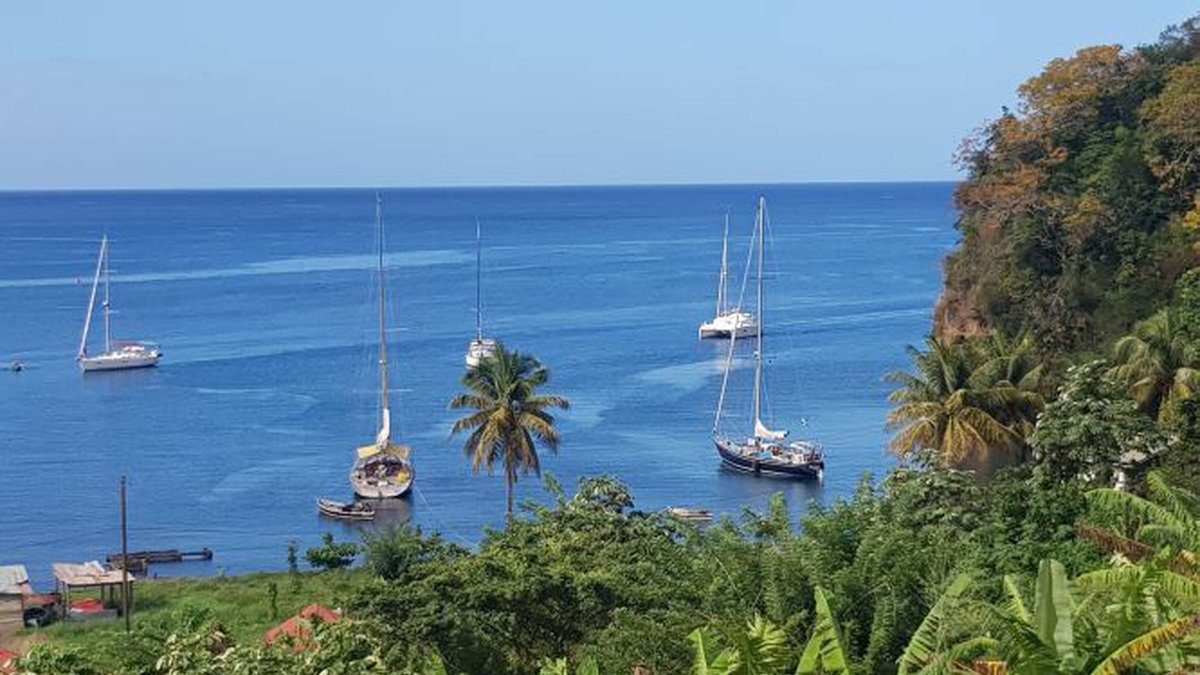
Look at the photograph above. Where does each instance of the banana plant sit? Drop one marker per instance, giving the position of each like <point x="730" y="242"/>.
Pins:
<point x="933" y="648"/>
<point x="825" y="651"/>
<point x="1150" y="625"/>
<point x="761" y="650"/>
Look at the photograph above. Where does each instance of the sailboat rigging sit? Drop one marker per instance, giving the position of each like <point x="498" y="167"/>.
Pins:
<point x="382" y="469"/>
<point x="117" y="354"/>
<point x="765" y="452"/>
<point x="729" y="322"/>
<point x="480" y="348"/>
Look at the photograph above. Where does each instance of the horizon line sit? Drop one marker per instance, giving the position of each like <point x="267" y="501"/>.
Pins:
<point x="481" y="186"/>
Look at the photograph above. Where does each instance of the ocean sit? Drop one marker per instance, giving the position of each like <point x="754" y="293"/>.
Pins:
<point x="264" y="304"/>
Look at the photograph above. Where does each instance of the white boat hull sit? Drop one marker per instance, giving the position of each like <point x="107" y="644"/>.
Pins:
<point x="369" y="490"/>
<point x="479" y="350"/>
<point x="732" y="325"/>
<point x="124" y="359"/>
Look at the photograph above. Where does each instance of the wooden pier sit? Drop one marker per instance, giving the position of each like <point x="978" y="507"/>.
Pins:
<point x="140" y="560"/>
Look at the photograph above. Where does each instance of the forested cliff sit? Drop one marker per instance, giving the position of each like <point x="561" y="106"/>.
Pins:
<point x="1080" y="211"/>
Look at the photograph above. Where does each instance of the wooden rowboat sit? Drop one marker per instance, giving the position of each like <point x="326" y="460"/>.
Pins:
<point x="344" y="511"/>
<point x="695" y="515"/>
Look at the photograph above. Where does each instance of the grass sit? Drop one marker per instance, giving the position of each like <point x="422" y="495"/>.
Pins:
<point x="241" y="604"/>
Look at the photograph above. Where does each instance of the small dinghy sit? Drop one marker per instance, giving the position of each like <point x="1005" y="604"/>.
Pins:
<point x="344" y="511"/>
<point x="693" y="515"/>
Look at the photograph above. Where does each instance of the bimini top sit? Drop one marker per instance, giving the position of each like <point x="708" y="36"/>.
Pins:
<point x="14" y="580"/>
<point x="368" y="451"/>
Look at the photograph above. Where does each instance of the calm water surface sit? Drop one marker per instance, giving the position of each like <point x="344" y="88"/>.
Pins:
<point x="263" y="303"/>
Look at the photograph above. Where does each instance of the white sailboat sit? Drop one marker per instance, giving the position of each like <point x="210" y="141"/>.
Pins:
<point x="383" y="469"/>
<point x="480" y="348"/>
<point x="729" y="322"/>
<point x="117" y="354"/>
<point x="765" y="452"/>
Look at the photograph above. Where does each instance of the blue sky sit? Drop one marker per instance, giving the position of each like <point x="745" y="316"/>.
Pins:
<point x="390" y="93"/>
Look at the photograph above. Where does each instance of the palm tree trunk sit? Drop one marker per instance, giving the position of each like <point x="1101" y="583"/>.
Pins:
<point x="508" y="481"/>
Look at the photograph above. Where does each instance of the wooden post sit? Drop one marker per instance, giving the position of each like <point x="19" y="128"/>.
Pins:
<point x="124" y="561"/>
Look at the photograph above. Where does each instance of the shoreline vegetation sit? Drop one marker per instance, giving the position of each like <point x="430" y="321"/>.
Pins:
<point x="1044" y="518"/>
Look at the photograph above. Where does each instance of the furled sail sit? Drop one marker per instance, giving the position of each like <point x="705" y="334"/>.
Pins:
<point x="385" y="432"/>
<point x="761" y="431"/>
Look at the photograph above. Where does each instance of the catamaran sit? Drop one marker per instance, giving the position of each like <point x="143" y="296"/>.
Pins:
<point x="480" y="348"/>
<point x="382" y="469"/>
<point x="118" y="354"/>
<point x="765" y="452"/>
<point x="730" y="322"/>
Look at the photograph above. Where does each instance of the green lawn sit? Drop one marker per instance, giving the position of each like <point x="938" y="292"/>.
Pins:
<point x="242" y="604"/>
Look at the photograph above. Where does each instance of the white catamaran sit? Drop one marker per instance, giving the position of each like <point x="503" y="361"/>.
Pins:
<point x="481" y="347"/>
<point x="382" y="470"/>
<point x="765" y="452"/>
<point x="118" y="354"/>
<point x="730" y="322"/>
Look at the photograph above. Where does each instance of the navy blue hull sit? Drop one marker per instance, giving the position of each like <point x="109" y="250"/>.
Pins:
<point x="769" y="467"/>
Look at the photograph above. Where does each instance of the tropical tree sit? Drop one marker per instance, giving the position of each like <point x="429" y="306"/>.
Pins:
<point x="1092" y="429"/>
<point x="1143" y="527"/>
<point x="509" y="418"/>
<point x="762" y="649"/>
<point x="1158" y="364"/>
<point x="825" y="651"/>
<point x="937" y="645"/>
<point x="939" y="411"/>
<point x="1060" y="633"/>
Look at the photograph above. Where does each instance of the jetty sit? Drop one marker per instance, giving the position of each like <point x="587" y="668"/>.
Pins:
<point x="139" y="561"/>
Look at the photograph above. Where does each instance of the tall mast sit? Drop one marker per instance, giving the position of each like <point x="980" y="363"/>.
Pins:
<point x="385" y="429"/>
<point x="760" y="227"/>
<point x="107" y="301"/>
<point x="721" y="289"/>
<point x="87" y="323"/>
<point x="478" y="282"/>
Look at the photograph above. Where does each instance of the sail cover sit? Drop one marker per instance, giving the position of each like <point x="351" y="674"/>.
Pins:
<point x="761" y="431"/>
<point x="385" y="431"/>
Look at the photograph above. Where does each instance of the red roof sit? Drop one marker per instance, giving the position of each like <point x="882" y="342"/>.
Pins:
<point x="299" y="628"/>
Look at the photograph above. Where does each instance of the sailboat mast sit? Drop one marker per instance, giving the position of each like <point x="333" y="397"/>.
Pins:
<point x="721" y="289"/>
<point x="760" y="227"/>
<point x="107" y="301"/>
<point x="383" y="363"/>
<point x="87" y="322"/>
<point x="478" y="282"/>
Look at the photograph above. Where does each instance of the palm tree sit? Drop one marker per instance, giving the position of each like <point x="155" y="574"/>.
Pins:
<point x="938" y="410"/>
<point x="509" y="418"/>
<point x="1158" y="363"/>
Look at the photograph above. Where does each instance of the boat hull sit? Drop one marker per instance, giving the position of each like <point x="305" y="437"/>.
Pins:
<point x="119" y="361"/>
<point x="342" y="511"/>
<point x="380" y="491"/>
<point x="479" y="350"/>
<point x="733" y="324"/>
<point x="771" y="468"/>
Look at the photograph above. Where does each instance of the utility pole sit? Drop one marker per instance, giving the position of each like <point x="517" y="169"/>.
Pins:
<point x="125" y="605"/>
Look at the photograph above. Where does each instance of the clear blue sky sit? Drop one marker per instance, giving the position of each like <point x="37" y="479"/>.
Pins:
<point x="209" y="94"/>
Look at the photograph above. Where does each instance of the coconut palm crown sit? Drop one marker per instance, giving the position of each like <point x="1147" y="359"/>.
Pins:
<point x="509" y="419"/>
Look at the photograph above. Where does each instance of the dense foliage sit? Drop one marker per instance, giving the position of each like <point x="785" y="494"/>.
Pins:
<point x="1080" y="209"/>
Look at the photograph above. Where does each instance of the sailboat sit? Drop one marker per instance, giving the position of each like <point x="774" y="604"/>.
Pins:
<point x="382" y="469"/>
<point x="118" y="354"/>
<point x="729" y="322"/>
<point x="766" y="452"/>
<point x="480" y="348"/>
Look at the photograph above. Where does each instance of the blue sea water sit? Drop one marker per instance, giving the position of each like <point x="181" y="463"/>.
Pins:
<point x="263" y="302"/>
